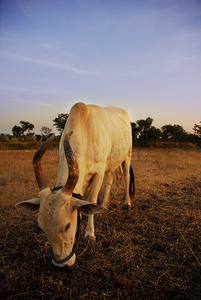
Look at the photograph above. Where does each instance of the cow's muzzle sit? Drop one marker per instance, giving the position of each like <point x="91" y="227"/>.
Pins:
<point x="62" y="262"/>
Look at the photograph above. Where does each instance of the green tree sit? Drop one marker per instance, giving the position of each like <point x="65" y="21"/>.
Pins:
<point x="26" y="126"/>
<point x="38" y="137"/>
<point x="146" y="132"/>
<point x="167" y="132"/>
<point x="197" y="130"/>
<point x="174" y="133"/>
<point x="17" y="131"/>
<point x="134" y="133"/>
<point x="154" y="134"/>
<point x="144" y="125"/>
<point x="193" y="138"/>
<point x="45" y="132"/>
<point x="60" y="121"/>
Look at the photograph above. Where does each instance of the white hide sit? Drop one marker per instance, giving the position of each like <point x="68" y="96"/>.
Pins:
<point x="101" y="141"/>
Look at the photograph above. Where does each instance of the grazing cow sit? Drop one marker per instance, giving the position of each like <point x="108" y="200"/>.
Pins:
<point x="95" y="141"/>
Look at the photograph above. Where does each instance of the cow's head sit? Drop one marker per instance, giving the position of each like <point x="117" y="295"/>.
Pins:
<point x="59" y="211"/>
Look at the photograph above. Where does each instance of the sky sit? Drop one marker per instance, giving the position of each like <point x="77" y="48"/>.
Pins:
<point x="143" y="56"/>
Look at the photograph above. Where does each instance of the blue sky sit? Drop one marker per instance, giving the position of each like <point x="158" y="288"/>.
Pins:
<point x="143" y="56"/>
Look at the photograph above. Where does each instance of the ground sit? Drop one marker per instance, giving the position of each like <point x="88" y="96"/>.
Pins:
<point x="150" y="252"/>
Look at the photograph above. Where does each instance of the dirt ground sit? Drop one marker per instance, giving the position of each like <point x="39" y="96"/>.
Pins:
<point x="151" y="252"/>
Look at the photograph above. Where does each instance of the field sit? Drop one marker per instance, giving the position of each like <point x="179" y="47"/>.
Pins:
<point x="151" y="252"/>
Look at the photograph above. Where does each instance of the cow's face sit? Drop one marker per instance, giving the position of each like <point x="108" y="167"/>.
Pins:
<point x="59" y="211"/>
<point x="58" y="218"/>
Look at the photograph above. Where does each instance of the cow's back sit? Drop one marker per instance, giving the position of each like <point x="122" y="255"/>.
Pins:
<point x="99" y="127"/>
<point x="101" y="136"/>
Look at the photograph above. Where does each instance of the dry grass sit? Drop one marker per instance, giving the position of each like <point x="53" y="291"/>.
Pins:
<point x="151" y="252"/>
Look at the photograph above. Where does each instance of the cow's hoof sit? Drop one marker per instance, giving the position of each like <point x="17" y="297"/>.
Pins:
<point x="90" y="240"/>
<point x="127" y="207"/>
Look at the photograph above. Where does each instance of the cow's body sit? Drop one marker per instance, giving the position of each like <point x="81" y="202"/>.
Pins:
<point x="100" y="140"/>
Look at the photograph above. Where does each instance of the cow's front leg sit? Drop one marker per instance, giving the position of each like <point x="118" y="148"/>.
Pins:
<point x="109" y="181"/>
<point x="93" y="195"/>
<point x="89" y="233"/>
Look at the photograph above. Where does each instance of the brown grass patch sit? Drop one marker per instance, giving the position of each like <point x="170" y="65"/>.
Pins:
<point x="151" y="252"/>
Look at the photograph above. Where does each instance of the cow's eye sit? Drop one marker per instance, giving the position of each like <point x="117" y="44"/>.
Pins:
<point x="67" y="227"/>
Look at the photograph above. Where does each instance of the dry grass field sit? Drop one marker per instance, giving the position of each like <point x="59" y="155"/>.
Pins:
<point x="151" y="252"/>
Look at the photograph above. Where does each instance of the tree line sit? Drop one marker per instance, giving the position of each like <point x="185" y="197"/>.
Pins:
<point x="143" y="132"/>
<point x="24" y="130"/>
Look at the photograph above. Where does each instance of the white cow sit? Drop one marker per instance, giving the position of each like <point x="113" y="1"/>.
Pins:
<point x="95" y="141"/>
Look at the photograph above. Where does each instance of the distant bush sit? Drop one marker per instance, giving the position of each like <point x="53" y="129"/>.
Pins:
<point x="24" y="145"/>
<point x="167" y="145"/>
<point x="35" y="145"/>
<point x="174" y="145"/>
<point x="5" y="138"/>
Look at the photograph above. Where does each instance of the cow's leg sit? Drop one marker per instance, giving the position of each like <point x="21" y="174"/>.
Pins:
<point x="126" y="171"/>
<point x="119" y="174"/>
<point x="94" y="190"/>
<point x="109" y="181"/>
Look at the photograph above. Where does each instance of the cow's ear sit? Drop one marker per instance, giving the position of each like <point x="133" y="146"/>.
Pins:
<point x="85" y="207"/>
<point x="29" y="205"/>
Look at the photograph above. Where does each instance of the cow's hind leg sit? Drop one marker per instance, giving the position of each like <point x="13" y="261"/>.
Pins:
<point x="126" y="171"/>
<point x="94" y="190"/>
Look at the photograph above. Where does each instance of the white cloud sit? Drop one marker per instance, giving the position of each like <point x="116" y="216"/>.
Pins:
<point x="63" y="66"/>
<point x="32" y="90"/>
<point x="33" y="102"/>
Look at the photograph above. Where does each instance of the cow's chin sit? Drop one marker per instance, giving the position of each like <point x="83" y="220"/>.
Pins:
<point x="68" y="263"/>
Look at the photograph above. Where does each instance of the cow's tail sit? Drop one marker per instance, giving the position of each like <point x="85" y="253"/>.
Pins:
<point x="132" y="184"/>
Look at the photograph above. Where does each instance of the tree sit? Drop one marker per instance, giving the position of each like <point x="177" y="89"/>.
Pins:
<point x="167" y="132"/>
<point x="197" y="129"/>
<point x="45" y="131"/>
<point x="144" y="125"/>
<point x="145" y="131"/>
<point x="193" y="138"/>
<point x="60" y="121"/>
<point x="134" y="133"/>
<point x="17" y="131"/>
<point x="38" y="137"/>
<point x="26" y="126"/>
<point x="154" y="134"/>
<point x="174" y="133"/>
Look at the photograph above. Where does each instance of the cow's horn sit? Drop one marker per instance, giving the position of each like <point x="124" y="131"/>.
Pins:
<point x="40" y="177"/>
<point x="73" y="173"/>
